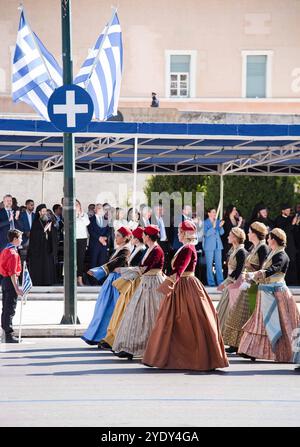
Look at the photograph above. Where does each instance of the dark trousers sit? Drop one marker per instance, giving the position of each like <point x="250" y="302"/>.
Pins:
<point x="81" y="249"/>
<point x="99" y="255"/>
<point x="168" y="252"/>
<point x="9" y="304"/>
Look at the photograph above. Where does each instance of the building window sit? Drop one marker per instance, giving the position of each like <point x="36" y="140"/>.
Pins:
<point x="180" y="74"/>
<point x="256" y="74"/>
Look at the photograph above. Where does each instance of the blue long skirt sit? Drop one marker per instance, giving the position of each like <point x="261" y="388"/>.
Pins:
<point x="104" y="308"/>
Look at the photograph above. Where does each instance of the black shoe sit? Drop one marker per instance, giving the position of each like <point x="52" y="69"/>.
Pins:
<point x="231" y="350"/>
<point x="103" y="345"/>
<point x="245" y="356"/>
<point x="124" y="355"/>
<point x="297" y="370"/>
<point x="10" y="339"/>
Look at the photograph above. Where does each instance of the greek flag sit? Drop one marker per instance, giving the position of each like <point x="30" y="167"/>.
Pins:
<point x="27" y="283"/>
<point x="101" y="72"/>
<point x="36" y="73"/>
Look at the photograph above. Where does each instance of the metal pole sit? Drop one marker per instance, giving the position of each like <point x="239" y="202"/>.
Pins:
<point x="70" y="311"/>
<point x="134" y="173"/>
<point x="221" y="195"/>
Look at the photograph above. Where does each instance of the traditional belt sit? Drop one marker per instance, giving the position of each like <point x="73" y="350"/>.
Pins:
<point x="153" y="272"/>
<point x="278" y="277"/>
<point x="187" y="274"/>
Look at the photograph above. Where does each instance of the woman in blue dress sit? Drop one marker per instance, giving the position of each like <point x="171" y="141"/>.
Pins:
<point x="108" y="295"/>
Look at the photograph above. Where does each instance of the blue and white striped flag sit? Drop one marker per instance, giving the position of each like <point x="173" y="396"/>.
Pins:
<point x="27" y="283"/>
<point x="101" y="72"/>
<point x="36" y="73"/>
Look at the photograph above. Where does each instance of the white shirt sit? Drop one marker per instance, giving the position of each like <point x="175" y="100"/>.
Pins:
<point x="118" y="223"/>
<point x="162" y="228"/>
<point x="82" y="222"/>
<point x="29" y="216"/>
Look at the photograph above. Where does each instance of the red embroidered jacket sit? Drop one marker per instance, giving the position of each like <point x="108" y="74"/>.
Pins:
<point x="155" y="260"/>
<point x="185" y="261"/>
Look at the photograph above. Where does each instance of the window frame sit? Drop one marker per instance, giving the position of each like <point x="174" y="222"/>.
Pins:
<point x="191" y="75"/>
<point x="269" y="56"/>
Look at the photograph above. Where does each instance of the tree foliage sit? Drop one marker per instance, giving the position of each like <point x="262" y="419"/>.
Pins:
<point x="242" y="191"/>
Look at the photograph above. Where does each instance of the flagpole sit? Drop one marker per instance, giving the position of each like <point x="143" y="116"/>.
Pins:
<point x="20" y="323"/>
<point x="21" y="8"/>
<point x="100" y="48"/>
<point x="70" y="304"/>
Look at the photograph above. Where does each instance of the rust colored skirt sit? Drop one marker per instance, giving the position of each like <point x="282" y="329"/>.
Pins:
<point x="255" y="342"/>
<point x="186" y="334"/>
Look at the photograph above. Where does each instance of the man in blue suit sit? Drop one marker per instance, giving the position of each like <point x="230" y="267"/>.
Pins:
<point x="26" y="219"/>
<point x="99" y="232"/>
<point x="212" y="246"/>
<point x="8" y="220"/>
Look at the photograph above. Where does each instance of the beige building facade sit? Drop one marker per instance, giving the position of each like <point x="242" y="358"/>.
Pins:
<point x="198" y="55"/>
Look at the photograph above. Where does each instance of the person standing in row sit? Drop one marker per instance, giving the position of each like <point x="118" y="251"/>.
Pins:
<point x="108" y="295"/>
<point x="82" y="222"/>
<point x="99" y="233"/>
<point x="26" y="221"/>
<point x="157" y="219"/>
<point x="287" y="223"/>
<point x="230" y="287"/>
<point x="126" y="285"/>
<point x="268" y="333"/>
<point x="243" y="308"/>
<point x="10" y="270"/>
<point x="41" y="249"/>
<point x="8" y="219"/>
<point x="186" y="334"/>
<point x="231" y="219"/>
<point x="212" y="246"/>
<point x="140" y="313"/>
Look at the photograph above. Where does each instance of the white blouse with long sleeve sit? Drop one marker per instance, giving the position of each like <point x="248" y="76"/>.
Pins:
<point x="82" y="222"/>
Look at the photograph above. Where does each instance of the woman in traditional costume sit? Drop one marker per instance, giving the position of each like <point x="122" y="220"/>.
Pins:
<point x="108" y="295"/>
<point x="230" y="287"/>
<point x="243" y="308"/>
<point x="141" y="312"/>
<point x="268" y="333"/>
<point x="126" y="285"/>
<point x="186" y="334"/>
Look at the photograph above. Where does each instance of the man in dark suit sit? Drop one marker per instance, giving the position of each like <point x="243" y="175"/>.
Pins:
<point x="99" y="233"/>
<point x="8" y="220"/>
<point x="157" y="218"/>
<point x="26" y="219"/>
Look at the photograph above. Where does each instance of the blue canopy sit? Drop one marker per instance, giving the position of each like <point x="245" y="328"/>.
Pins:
<point x="163" y="148"/>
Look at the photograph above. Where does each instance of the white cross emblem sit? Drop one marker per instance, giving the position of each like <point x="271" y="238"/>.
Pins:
<point x="70" y="108"/>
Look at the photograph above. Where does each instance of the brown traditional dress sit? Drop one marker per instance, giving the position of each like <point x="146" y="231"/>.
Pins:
<point x="186" y="334"/>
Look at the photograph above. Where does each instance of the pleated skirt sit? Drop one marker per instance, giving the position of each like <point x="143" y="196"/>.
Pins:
<point x="255" y="342"/>
<point x="126" y="289"/>
<point x="139" y="317"/>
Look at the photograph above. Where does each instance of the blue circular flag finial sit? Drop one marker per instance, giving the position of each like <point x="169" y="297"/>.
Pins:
<point x="70" y="108"/>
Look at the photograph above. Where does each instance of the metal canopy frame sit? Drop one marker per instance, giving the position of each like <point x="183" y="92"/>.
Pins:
<point x="162" y="148"/>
